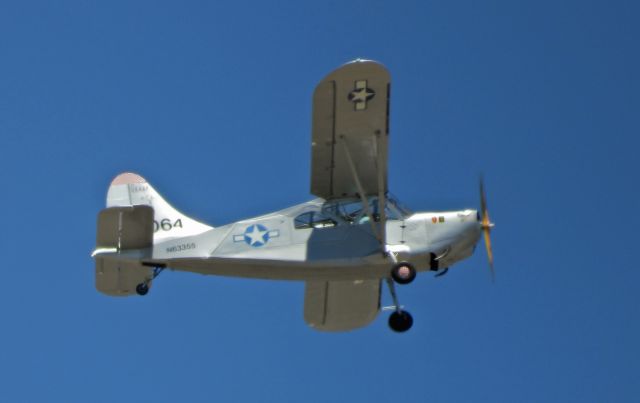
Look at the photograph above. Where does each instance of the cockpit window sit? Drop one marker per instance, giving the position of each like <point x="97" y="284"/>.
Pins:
<point x="349" y="211"/>
<point x="392" y="202"/>
<point x="313" y="219"/>
<point x="352" y="211"/>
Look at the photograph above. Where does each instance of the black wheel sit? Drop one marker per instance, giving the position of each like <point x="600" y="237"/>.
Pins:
<point x="400" y="321"/>
<point x="403" y="273"/>
<point x="142" y="289"/>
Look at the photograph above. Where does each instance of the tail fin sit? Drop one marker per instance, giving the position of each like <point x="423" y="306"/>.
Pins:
<point x="129" y="189"/>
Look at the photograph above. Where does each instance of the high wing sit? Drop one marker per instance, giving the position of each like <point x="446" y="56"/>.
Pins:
<point x="350" y="132"/>
<point x="341" y="305"/>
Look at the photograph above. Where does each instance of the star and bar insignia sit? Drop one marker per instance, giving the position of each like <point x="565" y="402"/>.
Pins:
<point x="360" y="95"/>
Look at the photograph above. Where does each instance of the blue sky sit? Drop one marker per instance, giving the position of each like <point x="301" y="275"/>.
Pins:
<point x="211" y="102"/>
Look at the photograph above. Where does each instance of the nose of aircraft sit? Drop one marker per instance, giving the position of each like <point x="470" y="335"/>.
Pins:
<point x="470" y="226"/>
<point x="475" y="229"/>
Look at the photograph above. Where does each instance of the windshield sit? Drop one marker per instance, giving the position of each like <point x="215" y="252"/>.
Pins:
<point x="348" y="212"/>
<point x="402" y="209"/>
<point x="352" y="211"/>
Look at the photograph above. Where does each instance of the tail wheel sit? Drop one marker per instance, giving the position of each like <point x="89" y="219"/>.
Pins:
<point x="403" y="272"/>
<point x="142" y="289"/>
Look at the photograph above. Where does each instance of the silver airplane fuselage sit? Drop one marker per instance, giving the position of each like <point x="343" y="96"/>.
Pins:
<point x="318" y="240"/>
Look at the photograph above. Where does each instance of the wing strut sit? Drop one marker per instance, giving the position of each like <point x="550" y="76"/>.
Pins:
<point x="382" y="202"/>
<point x="377" y="231"/>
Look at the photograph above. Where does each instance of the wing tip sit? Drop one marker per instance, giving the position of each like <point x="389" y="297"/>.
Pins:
<point x="361" y="60"/>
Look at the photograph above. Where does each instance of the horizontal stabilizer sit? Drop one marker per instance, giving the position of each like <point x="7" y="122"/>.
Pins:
<point x="125" y="228"/>
<point x="119" y="278"/>
<point x="122" y="230"/>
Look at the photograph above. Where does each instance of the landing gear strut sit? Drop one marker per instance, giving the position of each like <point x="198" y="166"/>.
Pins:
<point x="143" y="288"/>
<point x="400" y="320"/>
<point x="402" y="273"/>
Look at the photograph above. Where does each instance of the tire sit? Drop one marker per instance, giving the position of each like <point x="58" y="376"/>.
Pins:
<point x="142" y="289"/>
<point x="400" y="321"/>
<point x="403" y="273"/>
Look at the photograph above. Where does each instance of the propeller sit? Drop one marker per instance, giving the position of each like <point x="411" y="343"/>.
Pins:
<point x="486" y="225"/>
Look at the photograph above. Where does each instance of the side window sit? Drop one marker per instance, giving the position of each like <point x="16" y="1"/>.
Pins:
<point x="352" y="212"/>
<point x="313" y="220"/>
<point x="303" y="220"/>
<point x="323" y="221"/>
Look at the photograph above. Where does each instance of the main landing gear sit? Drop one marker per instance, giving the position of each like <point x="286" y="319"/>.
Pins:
<point x="400" y="321"/>
<point x="143" y="288"/>
<point x="402" y="273"/>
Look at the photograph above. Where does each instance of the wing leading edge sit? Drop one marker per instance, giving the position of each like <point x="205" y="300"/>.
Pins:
<point x="350" y="131"/>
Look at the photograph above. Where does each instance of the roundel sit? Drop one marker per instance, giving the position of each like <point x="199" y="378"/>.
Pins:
<point x="256" y="235"/>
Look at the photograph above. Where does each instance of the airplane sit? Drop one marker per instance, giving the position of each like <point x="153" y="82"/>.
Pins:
<point x="343" y="244"/>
